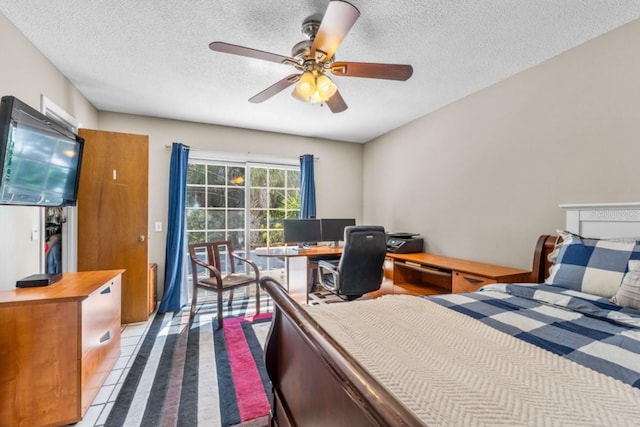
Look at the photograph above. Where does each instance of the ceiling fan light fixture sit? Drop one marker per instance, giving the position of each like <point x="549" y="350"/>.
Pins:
<point x="314" y="87"/>
<point x="306" y="86"/>
<point x="315" y="98"/>
<point x="326" y="87"/>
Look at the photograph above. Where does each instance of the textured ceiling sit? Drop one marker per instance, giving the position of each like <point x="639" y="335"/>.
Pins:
<point x="151" y="57"/>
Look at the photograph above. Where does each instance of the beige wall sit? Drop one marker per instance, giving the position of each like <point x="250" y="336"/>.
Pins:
<point x="26" y="74"/>
<point x="483" y="177"/>
<point x="338" y="169"/>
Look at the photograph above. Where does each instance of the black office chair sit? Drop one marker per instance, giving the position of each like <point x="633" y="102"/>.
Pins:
<point x="360" y="267"/>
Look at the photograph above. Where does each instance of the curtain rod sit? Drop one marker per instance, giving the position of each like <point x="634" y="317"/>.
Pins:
<point x="186" y="147"/>
<point x="227" y="154"/>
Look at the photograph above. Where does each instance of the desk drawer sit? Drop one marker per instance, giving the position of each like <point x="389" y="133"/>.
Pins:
<point x="464" y="282"/>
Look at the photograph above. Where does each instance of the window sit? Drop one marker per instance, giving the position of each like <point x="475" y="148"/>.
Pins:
<point x="241" y="202"/>
<point x="274" y="196"/>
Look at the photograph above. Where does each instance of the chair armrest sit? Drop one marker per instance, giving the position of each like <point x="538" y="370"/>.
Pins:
<point x="325" y="267"/>
<point x="215" y="272"/>
<point x="252" y="264"/>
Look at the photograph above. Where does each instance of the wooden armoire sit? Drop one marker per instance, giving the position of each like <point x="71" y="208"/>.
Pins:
<point x="113" y="200"/>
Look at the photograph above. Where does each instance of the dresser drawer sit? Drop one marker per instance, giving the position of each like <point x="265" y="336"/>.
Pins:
<point x="96" y="364"/>
<point x="99" y="311"/>
<point x="100" y="338"/>
<point x="464" y="282"/>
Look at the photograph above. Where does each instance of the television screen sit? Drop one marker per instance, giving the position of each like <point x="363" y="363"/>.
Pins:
<point x="301" y="231"/>
<point x="39" y="159"/>
<point x="333" y="228"/>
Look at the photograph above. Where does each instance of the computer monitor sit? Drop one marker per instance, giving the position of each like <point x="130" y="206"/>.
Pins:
<point x="302" y="231"/>
<point x="333" y="228"/>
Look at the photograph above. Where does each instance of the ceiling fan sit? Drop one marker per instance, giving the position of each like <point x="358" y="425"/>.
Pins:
<point x="314" y="58"/>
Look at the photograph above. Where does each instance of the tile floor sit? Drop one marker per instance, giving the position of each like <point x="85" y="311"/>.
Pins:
<point x="131" y="339"/>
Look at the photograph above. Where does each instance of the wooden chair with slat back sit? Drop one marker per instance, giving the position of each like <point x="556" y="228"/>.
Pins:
<point x="215" y="277"/>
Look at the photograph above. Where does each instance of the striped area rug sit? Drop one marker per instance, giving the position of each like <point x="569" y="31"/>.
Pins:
<point x="190" y="374"/>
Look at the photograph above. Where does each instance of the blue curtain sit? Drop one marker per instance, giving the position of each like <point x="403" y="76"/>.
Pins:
<point x="174" y="272"/>
<point x="307" y="187"/>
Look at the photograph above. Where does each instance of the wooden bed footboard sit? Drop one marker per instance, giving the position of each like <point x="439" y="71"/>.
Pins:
<point x="315" y="382"/>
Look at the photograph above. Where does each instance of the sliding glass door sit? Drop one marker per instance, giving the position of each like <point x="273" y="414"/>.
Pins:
<point x="274" y="195"/>
<point x="244" y="203"/>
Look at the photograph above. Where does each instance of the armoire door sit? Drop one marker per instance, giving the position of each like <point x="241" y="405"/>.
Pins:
<point x="113" y="213"/>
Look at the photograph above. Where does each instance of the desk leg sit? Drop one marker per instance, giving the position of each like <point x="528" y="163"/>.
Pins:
<point x="297" y="278"/>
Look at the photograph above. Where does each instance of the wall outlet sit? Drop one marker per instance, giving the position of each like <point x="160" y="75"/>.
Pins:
<point x="158" y="225"/>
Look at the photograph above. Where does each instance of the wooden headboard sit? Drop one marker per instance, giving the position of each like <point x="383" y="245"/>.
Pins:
<point x="541" y="264"/>
<point x="598" y="220"/>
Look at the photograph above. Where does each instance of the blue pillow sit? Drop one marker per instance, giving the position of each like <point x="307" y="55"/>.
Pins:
<point x="594" y="266"/>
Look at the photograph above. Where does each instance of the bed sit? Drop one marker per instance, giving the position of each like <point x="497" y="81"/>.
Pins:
<point x="555" y="351"/>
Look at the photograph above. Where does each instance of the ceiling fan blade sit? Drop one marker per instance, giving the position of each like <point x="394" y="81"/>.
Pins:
<point x="336" y="103"/>
<point x="275" y="88"/>
<point x="336" y="23"/>
<point x="372" y="71"/>
<point x="248" y="52"/>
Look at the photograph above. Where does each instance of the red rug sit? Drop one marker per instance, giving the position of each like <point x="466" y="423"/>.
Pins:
<point x="246" y="365"/>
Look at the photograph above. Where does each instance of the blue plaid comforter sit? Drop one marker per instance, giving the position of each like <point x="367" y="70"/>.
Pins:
<point x="581" y="327"/>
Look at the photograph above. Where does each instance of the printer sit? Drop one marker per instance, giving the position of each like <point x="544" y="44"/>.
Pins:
<point x="404" y="243"/>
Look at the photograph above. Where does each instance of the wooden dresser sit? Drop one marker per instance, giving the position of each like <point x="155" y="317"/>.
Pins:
<point x="58" y="343"/>
<point x="427" y="274"/>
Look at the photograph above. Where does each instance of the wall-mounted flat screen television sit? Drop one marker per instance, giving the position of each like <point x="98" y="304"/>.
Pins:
<point x="39" y="159"/>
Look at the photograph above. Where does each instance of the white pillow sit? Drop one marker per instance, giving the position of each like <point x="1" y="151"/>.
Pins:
<point x="628" y="294"/>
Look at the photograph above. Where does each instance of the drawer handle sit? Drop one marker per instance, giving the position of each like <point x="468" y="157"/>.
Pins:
<point x="105" y="337"/>
<point x="472" y="280"/>
<point x="106" y="290"/>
